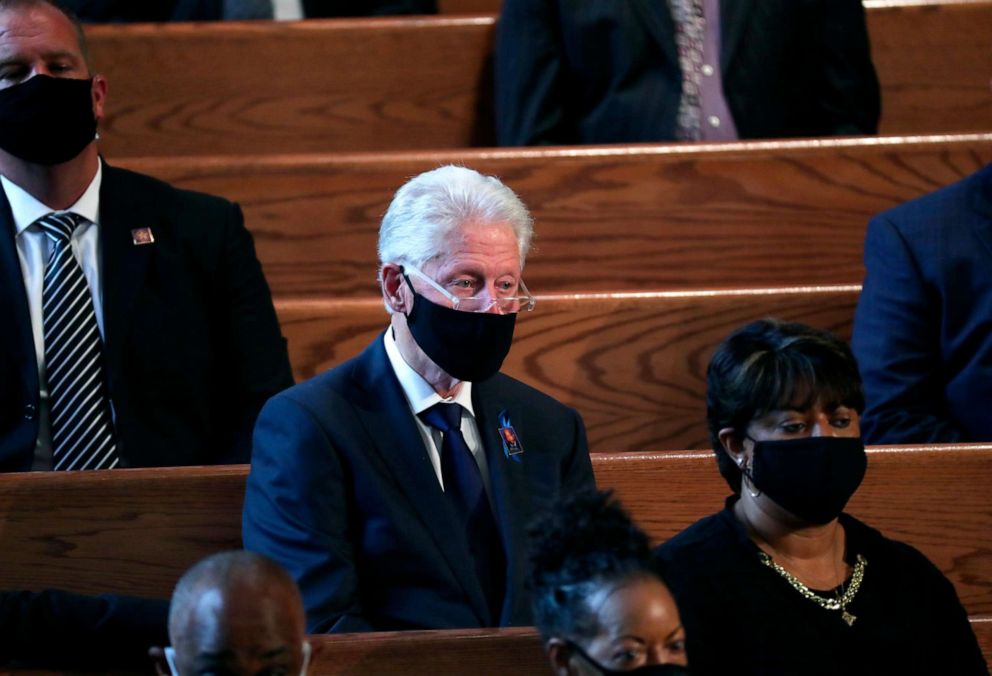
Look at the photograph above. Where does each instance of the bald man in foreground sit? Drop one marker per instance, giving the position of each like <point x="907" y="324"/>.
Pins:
<point x="235" y="613"/>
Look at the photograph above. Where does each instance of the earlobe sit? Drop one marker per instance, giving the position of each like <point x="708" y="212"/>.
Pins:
<point x="732" y="444"/>
<point x="99" y="92"/>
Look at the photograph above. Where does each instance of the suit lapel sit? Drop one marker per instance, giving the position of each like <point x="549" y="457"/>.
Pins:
<point x="508" y="483"/>
<point x="123" y="263"/>
<point x="14" y="301"/>
<point x="733" y="25"/>
<point x="657" y="20"/>
<point x="385" y="414"/>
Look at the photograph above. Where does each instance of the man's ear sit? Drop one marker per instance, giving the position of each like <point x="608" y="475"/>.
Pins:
<point x="157" y="656"/>
<point x="559" y="654"/>
<point x="391" y="280"/>
<point x="99" y="94"/>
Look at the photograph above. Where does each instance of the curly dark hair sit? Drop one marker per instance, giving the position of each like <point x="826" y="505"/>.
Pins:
<point x="584" y="543"/>
<point x="769" y="365"/>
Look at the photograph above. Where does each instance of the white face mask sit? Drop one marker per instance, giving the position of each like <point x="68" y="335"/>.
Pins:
<point x="170" y="657"/>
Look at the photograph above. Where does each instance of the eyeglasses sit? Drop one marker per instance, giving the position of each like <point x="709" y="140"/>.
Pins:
<point x="522" y="301"/>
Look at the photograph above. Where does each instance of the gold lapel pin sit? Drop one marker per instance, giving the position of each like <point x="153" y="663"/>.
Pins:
<point x="142" y="236"/>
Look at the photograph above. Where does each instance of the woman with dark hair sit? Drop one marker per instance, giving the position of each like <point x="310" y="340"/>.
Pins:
<point x="781" y="582"/>
<point x="598" y="598"/>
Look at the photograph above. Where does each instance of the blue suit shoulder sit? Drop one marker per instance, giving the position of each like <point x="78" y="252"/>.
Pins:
<point x="937" y="209"/>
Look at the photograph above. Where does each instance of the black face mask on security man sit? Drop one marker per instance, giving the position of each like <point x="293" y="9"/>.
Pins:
<point x="469" y="346"/>
<point x="47" y="120"/>
<point x="812" y="477"/>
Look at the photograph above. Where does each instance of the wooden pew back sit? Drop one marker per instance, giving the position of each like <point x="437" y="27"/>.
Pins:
<point x="633" y="365"/>
<point x="382" y="84"/>
<point x="607" y="219"/>
<point x="135" y="531"/>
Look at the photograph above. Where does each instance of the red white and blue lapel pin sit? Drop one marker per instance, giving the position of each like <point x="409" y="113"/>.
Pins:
<point x="511" y="442"/>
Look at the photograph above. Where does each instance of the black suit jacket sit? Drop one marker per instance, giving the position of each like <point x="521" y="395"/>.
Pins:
<point x="576" y="71"/>
<point x="192" y="342"/>
<point x="343" y="494"/>
<point x="923" y="327"/>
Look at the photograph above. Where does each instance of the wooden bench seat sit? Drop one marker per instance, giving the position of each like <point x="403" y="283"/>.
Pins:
<point x="616" y="218"/>
<point x="632" y="364"/>
<point x="406" y="83"/>
<point x="135" y="531"/>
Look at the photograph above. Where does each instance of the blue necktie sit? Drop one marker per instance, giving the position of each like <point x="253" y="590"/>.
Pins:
<point x="465" y="491"/>
<point x="81" y="422"/>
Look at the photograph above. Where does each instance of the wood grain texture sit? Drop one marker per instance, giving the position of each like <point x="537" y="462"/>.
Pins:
<point x="136" y="531"/>
<point x="633" y="366"/>
<point x="130" y="531"/>
<point x="456" y="652"/>
<point x="607" y="219"/>
<point x="381" y="84"/>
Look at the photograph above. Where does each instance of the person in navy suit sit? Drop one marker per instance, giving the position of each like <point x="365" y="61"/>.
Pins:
<point x="923" y="326"/>
<point x="575" y="71"/>
<point x="385" y="519"/>
<point x="188" y="337"/>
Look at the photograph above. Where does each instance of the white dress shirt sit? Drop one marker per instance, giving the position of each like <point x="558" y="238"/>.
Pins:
<point x="33" y="250"/>
<point x="421" y="396"/>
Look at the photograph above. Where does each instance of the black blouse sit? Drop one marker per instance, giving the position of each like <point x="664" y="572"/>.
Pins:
<point x="741" y="617"/>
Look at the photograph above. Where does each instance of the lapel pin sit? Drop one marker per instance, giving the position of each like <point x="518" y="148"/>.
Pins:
<point x="511" y="442"/>
<point x="141" y="236"/>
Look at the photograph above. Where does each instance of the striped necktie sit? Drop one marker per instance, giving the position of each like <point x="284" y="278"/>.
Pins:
<point x="81" y="422"/>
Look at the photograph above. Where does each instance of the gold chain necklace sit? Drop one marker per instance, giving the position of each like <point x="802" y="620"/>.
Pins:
<point x="829" y="604"/>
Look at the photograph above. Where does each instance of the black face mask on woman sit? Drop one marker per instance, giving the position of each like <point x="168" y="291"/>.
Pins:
<point x="646" y="670"/>
<point x="47" y="120"/>
<point x="469" y="346"/>
<point x="812" y="477"/>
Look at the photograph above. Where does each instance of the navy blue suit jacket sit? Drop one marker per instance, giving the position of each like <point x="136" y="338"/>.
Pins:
<point x="192" y="342"/>
<point x="607" y="71"/>
<point x="923" y="328"/>
<point x="343" y="494"/>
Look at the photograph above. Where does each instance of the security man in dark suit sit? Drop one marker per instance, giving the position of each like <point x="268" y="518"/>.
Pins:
<point x="396" y="487"/>
<point x="575" y="71"/>
<point x="140" y="330"/>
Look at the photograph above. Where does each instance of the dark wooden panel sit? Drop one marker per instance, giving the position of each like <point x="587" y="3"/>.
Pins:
<point x="933" y="64"/>
<point x="607" y="219"/>
<point x="317" y="85"/>
<point x="634" y="366"/>
<point x="130" y="531"/>
<point x="431" y="653"/>
<point x="136" y="531"/>
<point x="401" y="83"/>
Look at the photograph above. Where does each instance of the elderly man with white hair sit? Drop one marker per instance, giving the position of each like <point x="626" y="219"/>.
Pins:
<point x="396" y="487"/>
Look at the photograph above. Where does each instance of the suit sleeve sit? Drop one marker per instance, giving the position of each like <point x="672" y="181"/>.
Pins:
<point x="258" y="360"/>
<point x="296" y="513"/>
<point x="847" y="85"/>
<point x="897" y="344"/>
<point x="529" y="65"/>
<point x="577" y="476"/>
<point x="57" y="629"/>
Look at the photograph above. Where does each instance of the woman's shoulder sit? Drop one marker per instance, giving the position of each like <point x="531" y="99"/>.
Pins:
<point x="700" y="541"/>
<point x="888" y="553"/>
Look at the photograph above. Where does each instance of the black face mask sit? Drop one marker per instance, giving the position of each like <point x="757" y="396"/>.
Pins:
<point x="646" y="670"/>
<point x="812" y="477"/>
<point x="469" y="346"/>
<point x="47" y="120"/>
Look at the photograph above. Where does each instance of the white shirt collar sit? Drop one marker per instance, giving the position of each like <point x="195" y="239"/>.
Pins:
<point x="419" y="393"/>
<point x="26" y="209"/>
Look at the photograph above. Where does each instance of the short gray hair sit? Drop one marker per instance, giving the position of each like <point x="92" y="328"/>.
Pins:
<point x="430" y="206"/>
